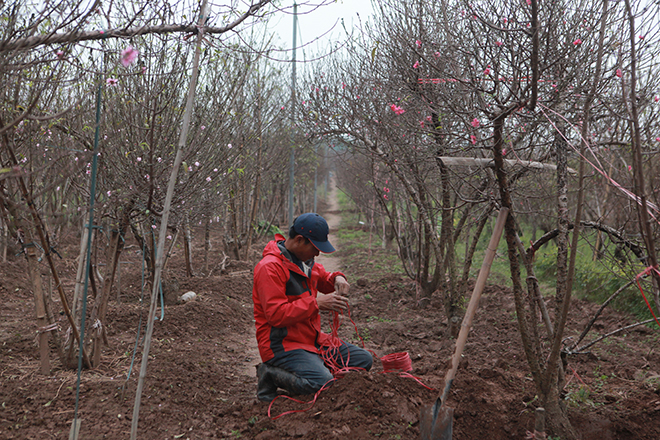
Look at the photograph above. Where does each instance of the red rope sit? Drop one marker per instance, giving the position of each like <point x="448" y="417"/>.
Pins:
<point x="311" y="402"/>
<point x="644" y="273"/>
<point x="649" y="206"/>
<point x="396" y="361"/>
<point x="576" y="375"/>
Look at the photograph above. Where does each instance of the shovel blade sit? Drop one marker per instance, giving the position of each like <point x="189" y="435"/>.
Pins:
<point x="436" y="421"/>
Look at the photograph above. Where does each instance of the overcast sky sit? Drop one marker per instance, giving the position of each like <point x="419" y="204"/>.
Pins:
<point x="318" y="22"/>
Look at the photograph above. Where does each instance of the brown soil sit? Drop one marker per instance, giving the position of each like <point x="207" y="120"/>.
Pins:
<point x="198" y="385"/>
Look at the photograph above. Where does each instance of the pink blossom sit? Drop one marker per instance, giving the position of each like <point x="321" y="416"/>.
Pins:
<point x="396" y="109"/>
<point x="641" y="37"/>
<point x="475" y="123"/>
<point x="418" y="43"/>
<point x="385" y="197"/>
<point x="421" y="124"/>
<point x="203" y="127"/>
<point x="60" y="54"/>
<point x="498" y="43"/>
<point x="657" y="139"/>
<point x="656" y="99"/>
<point x="487" y="71"/>
<point x="619" y="73"/>
<point x="503" y="151"/>
<point x="228" y="145"/>
<point x="112" y="81"/>
<point x="146" y="176"/>
<point x="529" y="2"/>
<point x="196" y="164"/>
<point x="473" y="139"/>
<point x="429" y="119"/>
<point x="128" y="55"/>
<point x="144" y="69"/>
<point x="416" y="65"/>
<point x="208" y="179"/>
<point x="437" y="54"/>
<point x="577" y="42"/>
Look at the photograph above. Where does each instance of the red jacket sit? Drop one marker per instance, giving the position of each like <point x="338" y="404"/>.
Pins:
<point x="285" y="310"/>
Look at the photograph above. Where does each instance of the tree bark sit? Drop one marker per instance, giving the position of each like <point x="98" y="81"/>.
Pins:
<point x="187" y="246"/>
<point x="101" y="304"/>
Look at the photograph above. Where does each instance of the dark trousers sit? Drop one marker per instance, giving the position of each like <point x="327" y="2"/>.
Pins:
<point x="311" y="369"/>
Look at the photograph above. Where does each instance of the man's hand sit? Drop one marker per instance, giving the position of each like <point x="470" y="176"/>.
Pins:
<point x="332" y="302"/>
<point x="341" y="285"/>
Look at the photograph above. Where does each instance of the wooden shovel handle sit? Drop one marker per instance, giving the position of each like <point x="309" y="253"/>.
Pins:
<point x="474" y="300"/>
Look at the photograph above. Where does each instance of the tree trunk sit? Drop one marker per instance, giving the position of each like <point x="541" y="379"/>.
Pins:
<point x="207" y="243"/>
<point x="101" y="304"/>
<point x="545" y="378"/>
<point x="187" y="246"/>
<point x="42" y="318"/>
<point x="556" y="420"/>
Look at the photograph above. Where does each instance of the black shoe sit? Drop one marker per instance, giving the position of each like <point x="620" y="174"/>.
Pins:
<point x="270" y="378"/>
<point x="266" y="388"/>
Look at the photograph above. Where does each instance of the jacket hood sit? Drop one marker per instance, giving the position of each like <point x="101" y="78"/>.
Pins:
<point x="275" y="248"/>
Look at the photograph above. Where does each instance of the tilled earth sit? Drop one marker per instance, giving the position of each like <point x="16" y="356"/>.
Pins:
<point x="201" y="384"/>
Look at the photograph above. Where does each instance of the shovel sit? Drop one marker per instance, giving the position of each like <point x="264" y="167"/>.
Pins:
<point x="436" y="420"/>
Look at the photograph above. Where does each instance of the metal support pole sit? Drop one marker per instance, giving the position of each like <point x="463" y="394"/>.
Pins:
<point x="292" y="159"/>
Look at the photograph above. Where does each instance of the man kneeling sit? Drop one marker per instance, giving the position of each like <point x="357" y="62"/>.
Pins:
<point x="286" y="312"/>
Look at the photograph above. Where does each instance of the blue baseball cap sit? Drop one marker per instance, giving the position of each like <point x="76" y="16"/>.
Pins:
<point x="314" y="227"/>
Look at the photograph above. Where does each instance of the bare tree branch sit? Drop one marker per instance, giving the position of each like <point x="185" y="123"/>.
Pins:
<point x="75" y="36"/>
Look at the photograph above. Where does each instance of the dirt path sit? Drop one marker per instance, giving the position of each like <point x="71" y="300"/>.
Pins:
<point x="330" y="262"/>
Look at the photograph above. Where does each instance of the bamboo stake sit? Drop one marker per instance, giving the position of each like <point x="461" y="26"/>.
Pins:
<point x="160" y="255"/>
<point x="490" y="163"/>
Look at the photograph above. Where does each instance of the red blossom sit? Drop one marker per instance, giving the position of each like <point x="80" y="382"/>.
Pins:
<point x="396" y="109"/>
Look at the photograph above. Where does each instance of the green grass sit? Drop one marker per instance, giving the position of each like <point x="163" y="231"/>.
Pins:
<point x="595" y="281"/>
